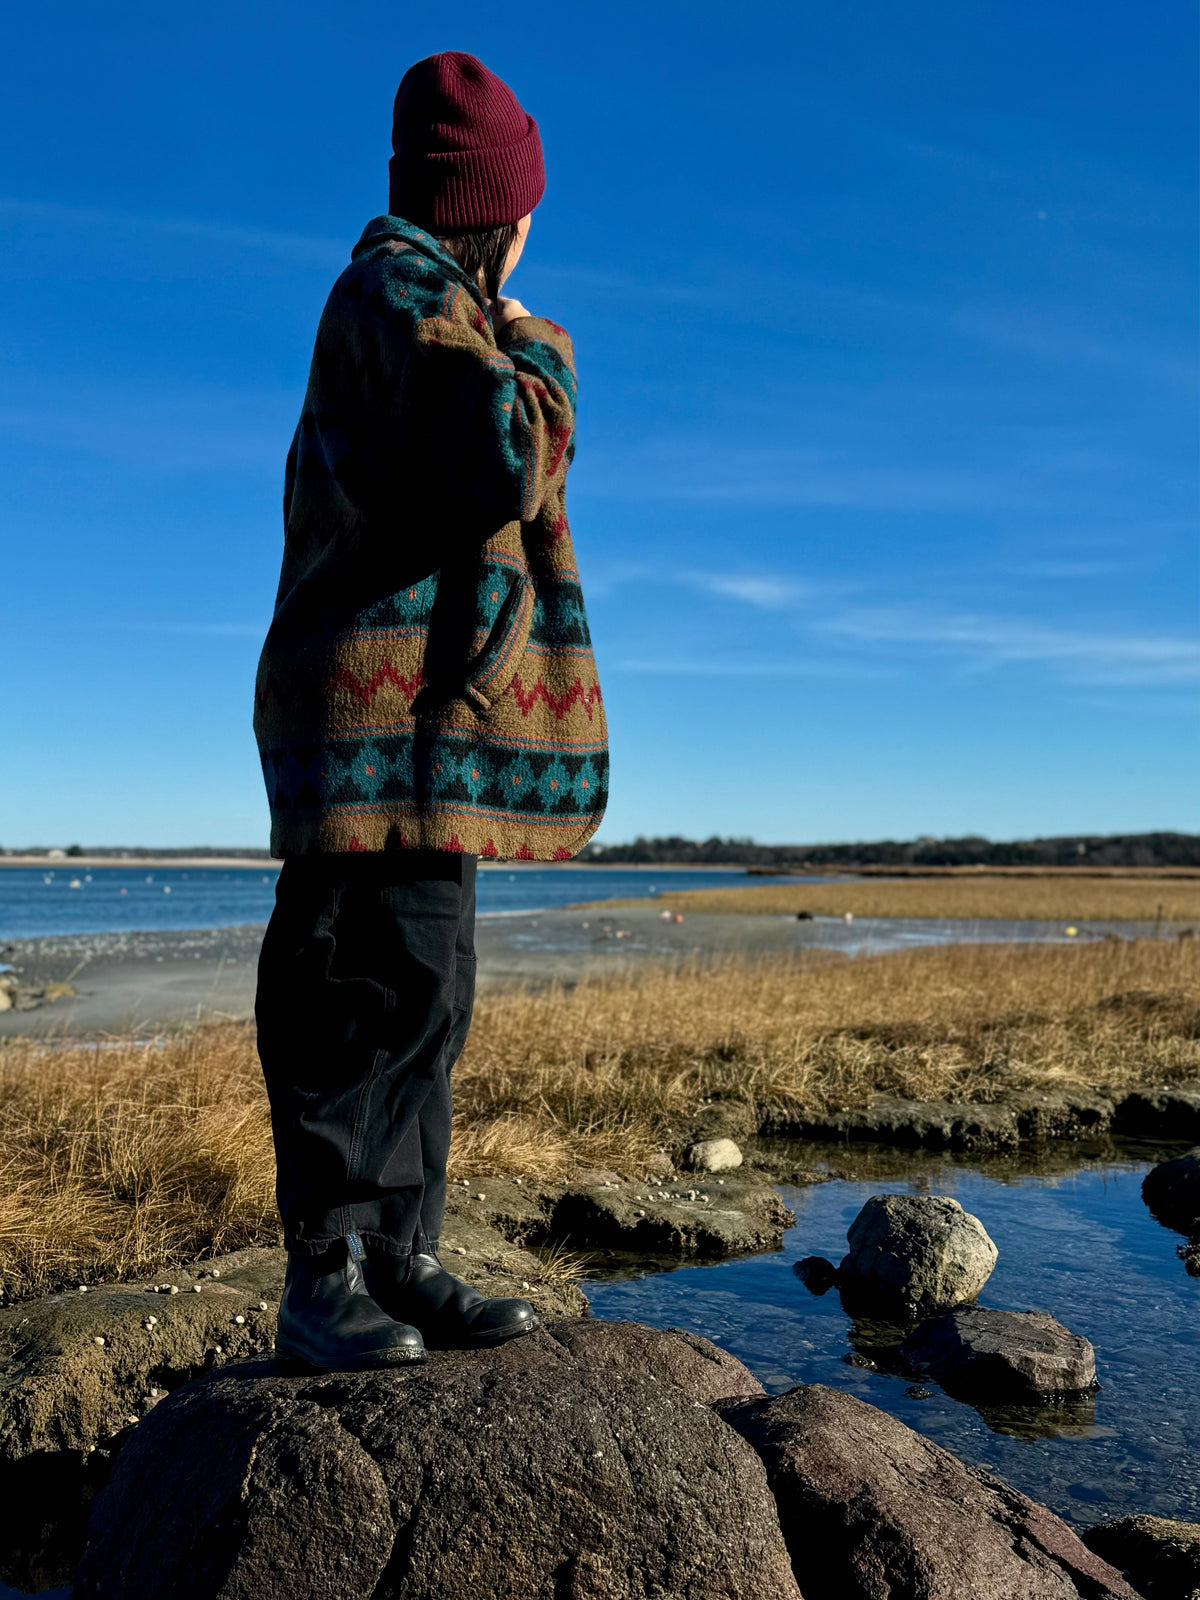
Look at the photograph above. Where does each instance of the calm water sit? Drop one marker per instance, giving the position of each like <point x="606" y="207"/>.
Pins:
<point x="1080" y="1245"/>
<point x="36" y="902"/>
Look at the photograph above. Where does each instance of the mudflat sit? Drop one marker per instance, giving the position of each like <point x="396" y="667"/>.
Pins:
<point x="134" y="983"/>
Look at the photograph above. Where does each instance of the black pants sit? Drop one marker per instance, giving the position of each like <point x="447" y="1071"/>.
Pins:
<point x="365" y="987"/>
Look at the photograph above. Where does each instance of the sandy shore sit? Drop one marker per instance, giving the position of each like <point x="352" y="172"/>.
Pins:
<point x="146" y="982"/>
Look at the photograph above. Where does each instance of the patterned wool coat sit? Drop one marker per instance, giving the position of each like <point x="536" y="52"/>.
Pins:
<point x="427" y="680"/>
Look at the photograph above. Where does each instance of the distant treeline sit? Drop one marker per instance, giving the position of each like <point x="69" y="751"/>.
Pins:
<point x="1073" y="850"/>
<point x="1076" y="850"/>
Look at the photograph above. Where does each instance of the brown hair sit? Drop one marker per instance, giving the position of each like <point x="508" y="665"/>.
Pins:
<point x="482" y="254"/>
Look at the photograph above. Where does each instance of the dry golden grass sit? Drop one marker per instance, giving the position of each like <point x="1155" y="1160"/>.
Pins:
<point x="1050" y="898"/>
<point x="119" y="1159"/>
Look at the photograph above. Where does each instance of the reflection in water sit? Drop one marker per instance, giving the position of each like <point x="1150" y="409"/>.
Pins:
<point x="1075" y="1240"/>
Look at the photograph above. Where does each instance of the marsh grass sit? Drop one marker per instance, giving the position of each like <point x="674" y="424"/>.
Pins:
<point x="1052" y="898"/>
<point x="120" y="1158"/>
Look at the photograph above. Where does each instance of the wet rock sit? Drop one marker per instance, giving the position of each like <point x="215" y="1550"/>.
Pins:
<point x="985" y="1355"/>
<point x="713" y="1155"/>
<point x="1159" y="1556"/>
<point x="932" y="1124"/>
<point x="711" y="1220"/>
<point x="1042" y="1114"/>
<point x="569" y="1463"/>
<point x="816" y="1274"/>
<point x="1172" y="1191"/>
<point x="1159" y="1113"/>
<point x="915" y="1254"/>
<point x="873" y="1511"/>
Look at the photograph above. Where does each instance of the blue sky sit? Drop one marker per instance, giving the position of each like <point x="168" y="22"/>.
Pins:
<point x="884" y="318"/>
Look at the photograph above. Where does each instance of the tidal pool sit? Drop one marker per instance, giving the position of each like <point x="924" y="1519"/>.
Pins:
<point x="1075" y="1239"/>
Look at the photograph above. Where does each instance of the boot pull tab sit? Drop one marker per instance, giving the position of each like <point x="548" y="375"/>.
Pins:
<point x="354" y="1244"/>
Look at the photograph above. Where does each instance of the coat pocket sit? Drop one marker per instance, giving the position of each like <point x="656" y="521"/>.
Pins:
<point x="494" y="667"/>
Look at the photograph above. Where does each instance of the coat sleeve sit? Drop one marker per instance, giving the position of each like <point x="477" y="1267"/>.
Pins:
<point x="493" y="421"/>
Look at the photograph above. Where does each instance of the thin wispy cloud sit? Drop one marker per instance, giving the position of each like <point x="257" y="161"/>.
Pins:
<point x="766" y="593"/>
<point x="725" y="666"/>
<point x="685" y="471"/>
<point x="976" y="641"/>
<point x="1112" y="659"/>
<point x="298" y="246"/>
<point x="169" y="429"/>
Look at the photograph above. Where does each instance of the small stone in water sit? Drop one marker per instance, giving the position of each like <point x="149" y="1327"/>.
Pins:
<point x="99" y="1339"/>
<point x="195" y="1288"/>
<point x="460" y="1250"/>
<point x="262" y="1305"/>
<point x="172" y="1288"/>
<point x="239" y="1320"/>
<point x="481" y="1197"/>
<point x="215" y="1273"/>
<point x="149" y="1322"/>
<point x="524" y="1285"/>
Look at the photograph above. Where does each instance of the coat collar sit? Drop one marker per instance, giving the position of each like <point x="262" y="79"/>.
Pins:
<point x="380" y="228"/>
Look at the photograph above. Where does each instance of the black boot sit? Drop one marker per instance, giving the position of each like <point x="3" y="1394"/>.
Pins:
<point x="450" y="1314"/>
<point x="328" y="1321"/>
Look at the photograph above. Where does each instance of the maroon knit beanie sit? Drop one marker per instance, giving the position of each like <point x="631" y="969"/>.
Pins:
<point x="467" y="156"/>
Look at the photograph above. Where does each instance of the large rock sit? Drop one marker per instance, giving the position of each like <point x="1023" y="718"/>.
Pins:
<point x="986" y="1355"/>
<point x="80" y="1371"/>
<point x="873" y="1511"/>
<point x="914" y="1255"/>
<point x="1172" y="1191"/>
<point x="1159" y="1556"/>
<point x="580" y="1463"/>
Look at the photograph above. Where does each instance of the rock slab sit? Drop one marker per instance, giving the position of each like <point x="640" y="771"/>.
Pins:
<point x="583" y="1462"/>
<point x="1018" y="1356"/>
<point x="915" y="1255"/>
<point x="873" y="1511"/>
<point x="714" y="1219"/>
<point x="1159" y="1555"/>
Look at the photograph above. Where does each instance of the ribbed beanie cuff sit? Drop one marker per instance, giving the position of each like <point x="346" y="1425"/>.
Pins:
<point x="466" y="155"/>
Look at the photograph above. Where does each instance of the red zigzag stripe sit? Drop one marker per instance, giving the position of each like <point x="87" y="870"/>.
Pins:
<point x="559" y="704"/>
<point x="343" y="678"/>
<point x="365" y="691"/>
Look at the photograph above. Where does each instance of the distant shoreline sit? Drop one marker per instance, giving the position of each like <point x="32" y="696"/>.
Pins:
<point x="263" y="863"/>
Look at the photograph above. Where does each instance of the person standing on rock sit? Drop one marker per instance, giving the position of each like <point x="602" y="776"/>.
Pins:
<point x="426" y="696"/>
